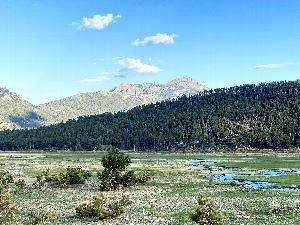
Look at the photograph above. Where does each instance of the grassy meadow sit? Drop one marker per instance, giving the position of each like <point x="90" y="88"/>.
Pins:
<point x="169" y="196"/>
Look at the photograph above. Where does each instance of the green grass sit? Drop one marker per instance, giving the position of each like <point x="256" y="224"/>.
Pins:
<point x="171" y="194"/>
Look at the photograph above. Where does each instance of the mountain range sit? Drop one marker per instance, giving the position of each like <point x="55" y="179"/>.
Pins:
<point x="16" y="112"/>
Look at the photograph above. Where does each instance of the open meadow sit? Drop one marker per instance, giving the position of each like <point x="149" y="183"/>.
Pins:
<point x="266" y="192"/>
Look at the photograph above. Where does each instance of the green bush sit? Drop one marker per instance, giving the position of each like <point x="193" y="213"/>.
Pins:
<point x="129" y="179"/>
<point x="40" y="181"/>
<point x="115" y="174"/>
<point x="41" y="217"/>
<point x="205" y="213"/>
<point x="5" y="178"/>
<point x="76" y="175"/>
<point x="70" y="177"/>
<point x="7" y="207"/>
<point x="115" y="164"/>
<point x="20" y="183"/>
<point x="143" y="178"/>
<point x="100" y="209"/>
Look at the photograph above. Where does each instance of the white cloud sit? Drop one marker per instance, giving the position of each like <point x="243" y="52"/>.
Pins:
<point x="158" y="38"/>
<point x="97" y="22"/>
<point x="98" y="79"/>
<point x="136" y="65"/>
<point x="269" y="66"/>
<point x="275" y="66"/>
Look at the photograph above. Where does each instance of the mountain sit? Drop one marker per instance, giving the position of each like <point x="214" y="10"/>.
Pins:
<point x="16" y="112"/>
<point x="19" y="113"/>
<point x="120" y="98"/>
<point x="264" y="116"/>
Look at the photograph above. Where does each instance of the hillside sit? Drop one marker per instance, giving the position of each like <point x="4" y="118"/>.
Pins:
<point x="16" y="112"/>
<point x="120" y="98"/>
<point x="260" y="116"/>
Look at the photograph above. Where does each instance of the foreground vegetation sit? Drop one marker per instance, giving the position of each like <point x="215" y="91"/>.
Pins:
<point x="260" y="116"/>
<point x="169" y="197"/>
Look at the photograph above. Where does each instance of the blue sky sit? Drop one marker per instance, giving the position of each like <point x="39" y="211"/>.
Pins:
<point x="51" y="49"/>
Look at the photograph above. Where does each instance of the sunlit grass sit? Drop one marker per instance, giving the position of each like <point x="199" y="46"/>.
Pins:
<point x="171" y="194"/>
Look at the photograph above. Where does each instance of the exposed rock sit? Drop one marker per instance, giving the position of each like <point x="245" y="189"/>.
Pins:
<point x="18" y="113"/>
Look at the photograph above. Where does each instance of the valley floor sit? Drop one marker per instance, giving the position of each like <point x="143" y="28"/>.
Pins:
<point x="170" y="196"/>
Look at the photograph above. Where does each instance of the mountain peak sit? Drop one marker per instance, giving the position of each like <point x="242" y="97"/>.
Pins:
<point x="20" y="113"/>
<point x="182" y="79"/>
<point x="4" y="91"/>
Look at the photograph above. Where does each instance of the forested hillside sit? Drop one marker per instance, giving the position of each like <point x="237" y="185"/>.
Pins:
<point x="261" y="116"/>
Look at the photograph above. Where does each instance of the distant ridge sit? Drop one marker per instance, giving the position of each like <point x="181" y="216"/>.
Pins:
<point x="16" y="112"/>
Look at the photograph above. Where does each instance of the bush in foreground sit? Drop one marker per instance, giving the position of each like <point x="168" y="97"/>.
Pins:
<point x="7" y="207"/>
<point x="114" y="173"/>
<point x="100" y="209"/>
<point x="205" y="213"/>
<point x="40" y="217"/>
<point x="5" y="178"/>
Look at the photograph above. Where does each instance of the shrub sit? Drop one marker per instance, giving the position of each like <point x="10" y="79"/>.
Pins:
<point x="205" y="213"/>
<point x="100" y="209"/>
<point x="69" y="177"/>
<point x="7" y="208"/>
<point x="276" y="207"/>
<point x="20" y="183"/>
<point x="129" y="179"/>
<point x="115" y="164"/>
<point x="5" y="178"/>
<point x="296" y="205"/>
<point x="39" y="182"/>
<point x="143" y="178"/>
<point x="115" y="174"/>
<point x="41" y="217"/>
<point x="76" y="175"/>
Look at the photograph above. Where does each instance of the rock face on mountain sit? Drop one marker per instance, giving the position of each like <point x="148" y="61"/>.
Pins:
<point x="151" y="92"/>
<point x="16" y="112"/>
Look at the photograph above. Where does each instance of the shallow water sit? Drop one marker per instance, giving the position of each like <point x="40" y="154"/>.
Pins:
<point x="201" y="163"/>
<point x="257" y="184"/>
<point x="234" y="177"/>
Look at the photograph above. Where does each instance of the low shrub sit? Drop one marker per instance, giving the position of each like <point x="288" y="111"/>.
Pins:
<point x="5" y="178"/>
<point x="76" y="175"/>
<point x="20" y="183"/>
<point x="39" y="182"/>
<point x="40" y="217"/>
<point x="70" y="177"/>
<point x="277" y="208"/>
<point x="143" y="178"/>
<point x="128" y="179"/>
<point x="7" y="207"/>
<point x="100" y="209"/>
<point x="205" y="213"/>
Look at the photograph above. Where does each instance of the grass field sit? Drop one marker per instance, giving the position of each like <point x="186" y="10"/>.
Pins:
<point x="170" y="195"/>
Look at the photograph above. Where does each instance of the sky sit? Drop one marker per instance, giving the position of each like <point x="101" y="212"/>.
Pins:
<point x="50" y="49"/>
